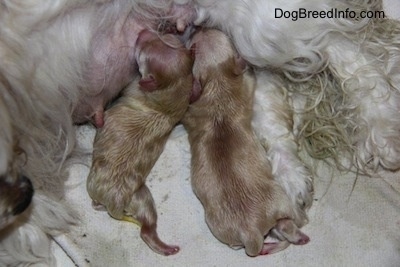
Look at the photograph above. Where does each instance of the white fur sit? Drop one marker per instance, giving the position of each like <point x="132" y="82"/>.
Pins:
<point x="265" y="40"/>
<point x="36" y="61"/>
<point x="343" y="76"/>
<point x="273" y="122"/>
<point x="45" y="46"/>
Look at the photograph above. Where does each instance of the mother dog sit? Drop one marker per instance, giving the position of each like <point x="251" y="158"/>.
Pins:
<point x="61" y="61"/>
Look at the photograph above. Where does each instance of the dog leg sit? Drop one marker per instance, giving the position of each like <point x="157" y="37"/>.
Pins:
<point x="271" y="248"/>
<point x="143" y="212"/>
<point x="288" y="233"/>
<point x="286" y="229"/>
<point x="273" y="124"/>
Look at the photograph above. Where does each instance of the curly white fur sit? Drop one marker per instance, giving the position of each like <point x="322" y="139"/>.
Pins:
<point x="341" y="71"/>
<point x="342" y="88"/>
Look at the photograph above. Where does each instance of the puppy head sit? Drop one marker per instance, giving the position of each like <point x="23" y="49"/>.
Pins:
<point x="162" y="60"/>
<point x="220" y="73"/>
<point x="165" y="66"/>
<point x="213" y="49"/>
<point x="15" y="189"/>
<point x="219" y="70"/>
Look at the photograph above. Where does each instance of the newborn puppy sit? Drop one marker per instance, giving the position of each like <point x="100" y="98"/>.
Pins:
<point x="135" y="131"/>
<point x="230" y="173"/>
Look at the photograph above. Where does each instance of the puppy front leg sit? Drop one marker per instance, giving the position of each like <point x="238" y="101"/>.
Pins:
<point x="273" y="124"/>
<point x="142" y="211"/>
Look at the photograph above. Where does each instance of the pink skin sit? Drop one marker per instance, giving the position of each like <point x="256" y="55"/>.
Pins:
<point x="184" y="14"/>
<point x="287" y="230"/>
<point x="112" y="65"/>
<point x="111" y="68"/>
<point x="148" y="84"/>
<point x="196" y="91"/>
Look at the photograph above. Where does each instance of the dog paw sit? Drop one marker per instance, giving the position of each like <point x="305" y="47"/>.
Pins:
<point x="171" y="250"/>
<point x="149" y="235"/>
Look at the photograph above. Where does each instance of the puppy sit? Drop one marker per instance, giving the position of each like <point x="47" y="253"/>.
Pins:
<point x="318" y="79"/>
<point x="135" y="132"/>
<point x="230" y="172"/>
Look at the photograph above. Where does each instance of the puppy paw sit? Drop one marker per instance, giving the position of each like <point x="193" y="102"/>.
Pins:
<point x="149" y="235"/>
<point x="98" y="206"/>
<point x="171" y="250"/>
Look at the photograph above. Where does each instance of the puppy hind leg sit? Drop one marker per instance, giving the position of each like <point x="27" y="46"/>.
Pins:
<point x="288" y="233"/>
<point x="143" y="212"/>
<point x="288" y="229"/>
<point x="271" y="248"/>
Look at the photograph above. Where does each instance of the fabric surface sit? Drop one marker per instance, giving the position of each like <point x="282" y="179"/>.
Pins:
<point x="353" y="221"/>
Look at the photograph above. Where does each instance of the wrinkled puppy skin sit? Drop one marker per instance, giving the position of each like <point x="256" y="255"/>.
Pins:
<point x="135" y="131"/>
<point x="230" y="172"/>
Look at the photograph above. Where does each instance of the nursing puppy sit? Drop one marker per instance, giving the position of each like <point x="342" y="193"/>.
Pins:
<point x="335" y="67"/>
<point x="230" y="172"/>
<point x="135" y="132"/>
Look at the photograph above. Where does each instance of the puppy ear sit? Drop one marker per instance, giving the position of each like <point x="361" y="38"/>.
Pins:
<point x="196" y="91"/>
<point x="240" y="65"/>
<point x="148" y="84"/>
<point x="193" y="51"/>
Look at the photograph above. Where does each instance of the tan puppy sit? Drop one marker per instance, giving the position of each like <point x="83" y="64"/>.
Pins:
<point x="135" y="132"/>
<point x="230" y="173"/>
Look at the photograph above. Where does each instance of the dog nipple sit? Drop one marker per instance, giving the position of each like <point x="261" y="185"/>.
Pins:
<point x="98" y="119"/>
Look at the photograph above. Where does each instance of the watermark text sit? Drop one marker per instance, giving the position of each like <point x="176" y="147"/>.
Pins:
<point x="333" y="13"/>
